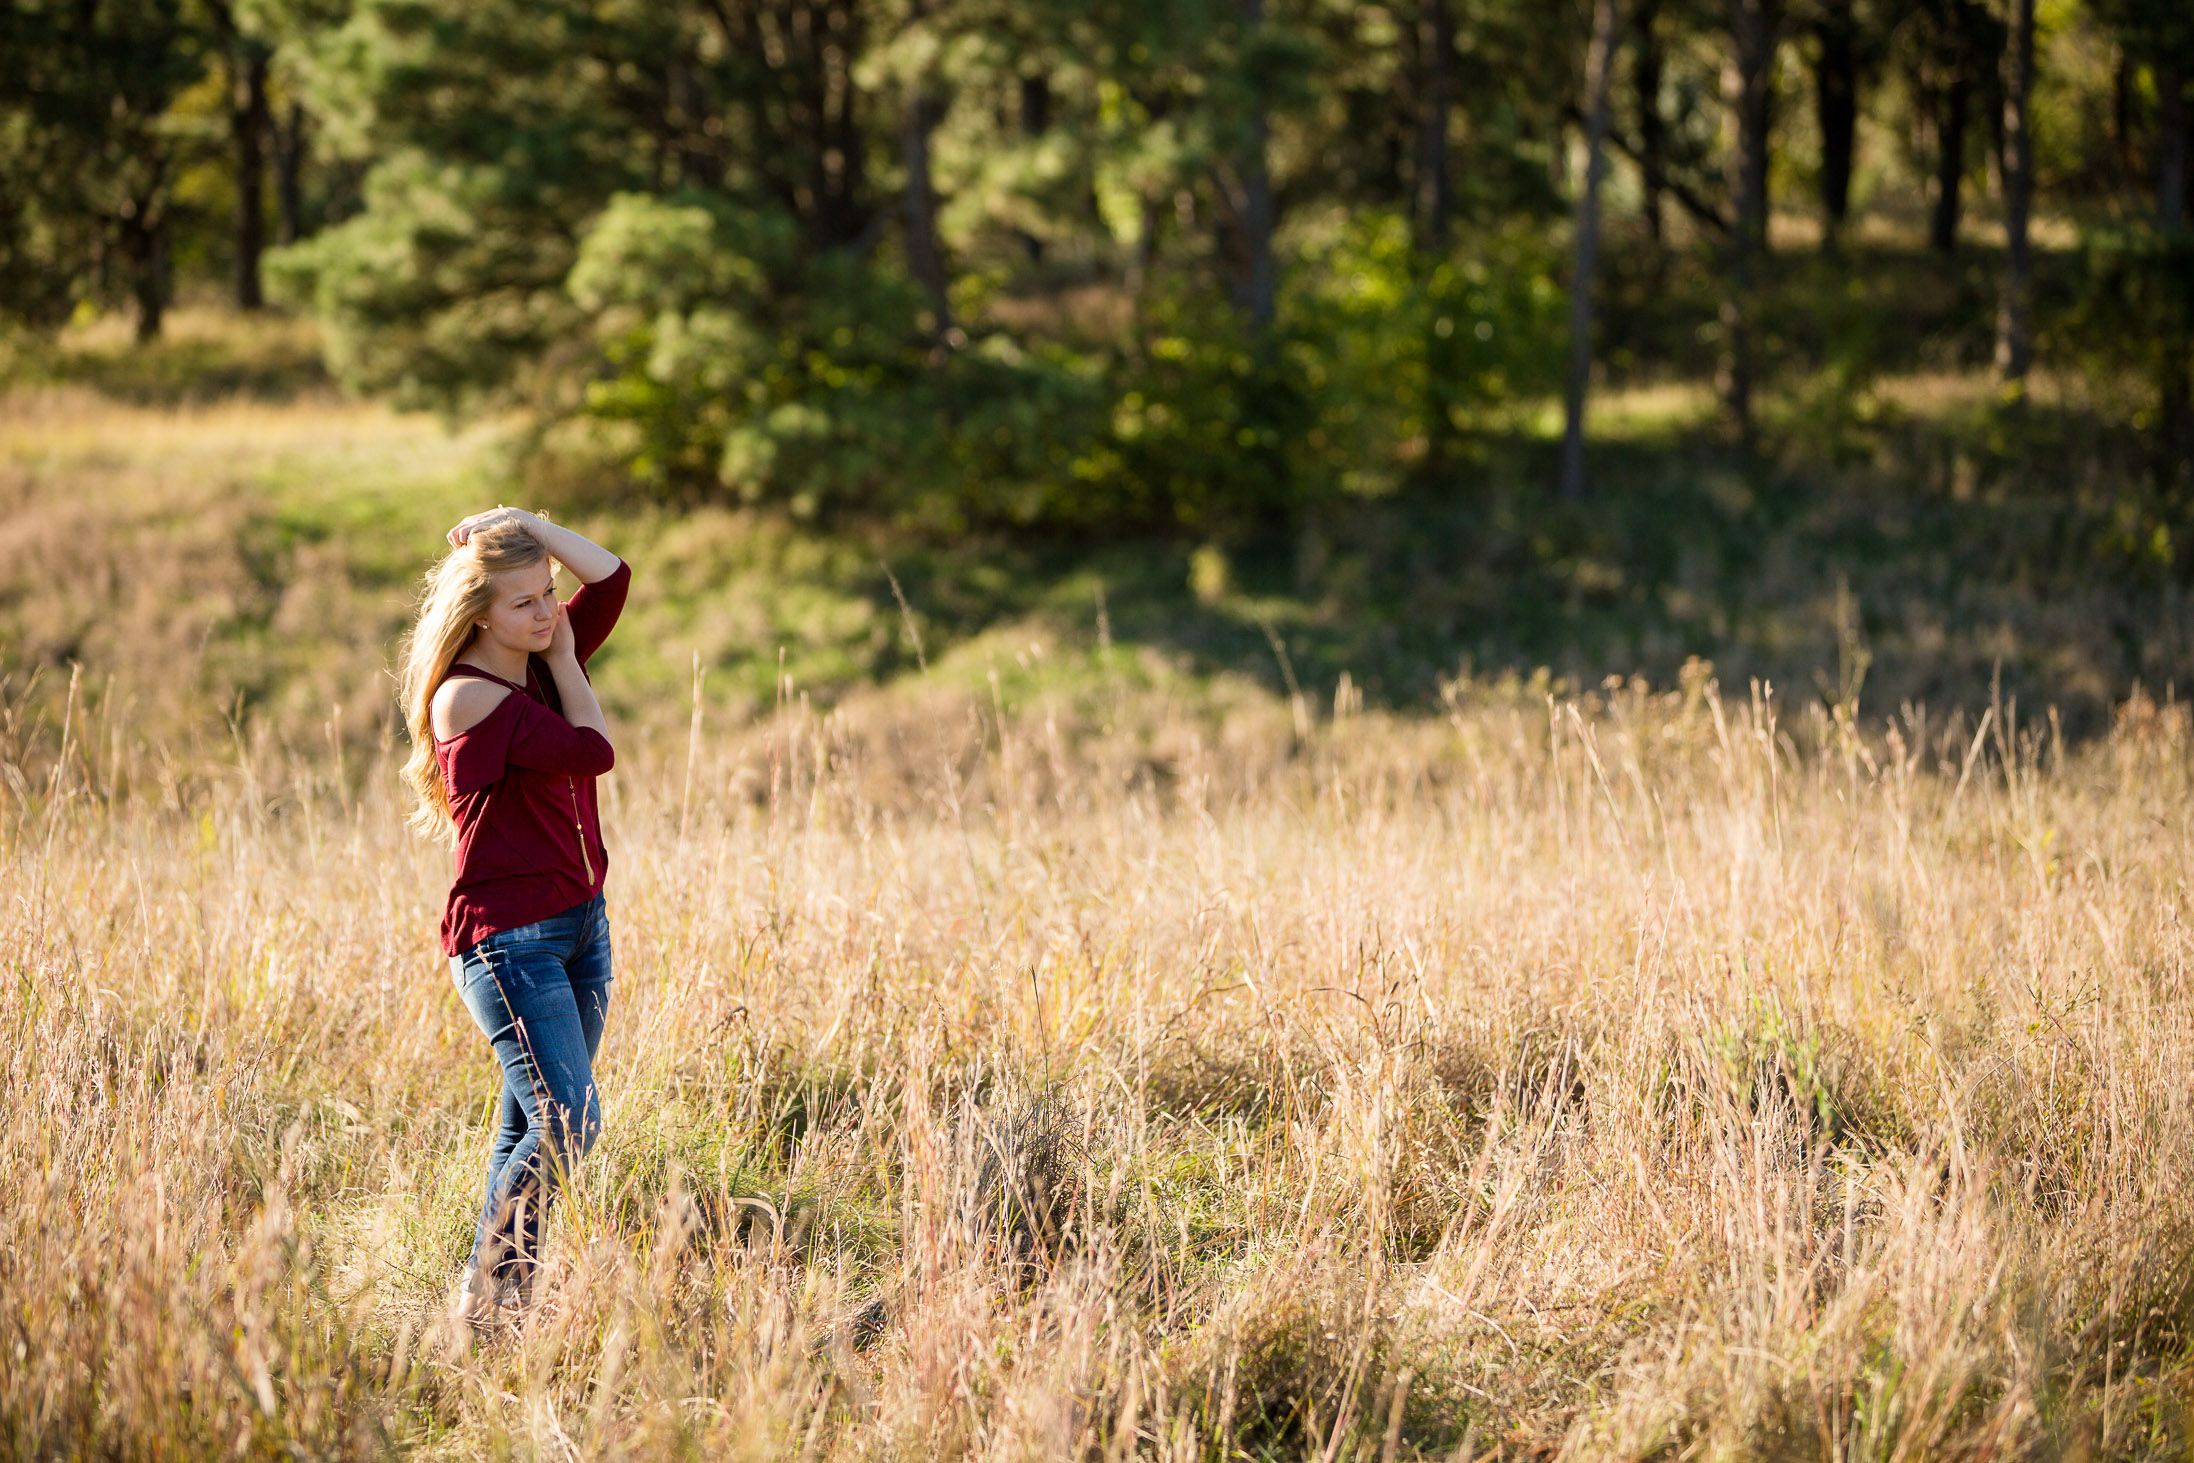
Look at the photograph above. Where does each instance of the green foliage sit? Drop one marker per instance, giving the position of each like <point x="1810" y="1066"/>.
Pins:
<point x="616" y="232"/>
<point x="732" y="356"/>
<point x="89" y="147"/>
<point x="1119" y="268"/>
<point x="2133" y="328"/>
<point x="496" y="143"/>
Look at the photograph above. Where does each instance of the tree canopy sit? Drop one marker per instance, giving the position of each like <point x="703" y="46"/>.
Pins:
<point x="1123" y="265"/>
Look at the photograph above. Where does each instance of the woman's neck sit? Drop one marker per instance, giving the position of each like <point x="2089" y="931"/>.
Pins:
<point x="495" y="659"/>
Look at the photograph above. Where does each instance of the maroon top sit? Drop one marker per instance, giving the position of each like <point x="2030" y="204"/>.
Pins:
<point x="521" y="789"/>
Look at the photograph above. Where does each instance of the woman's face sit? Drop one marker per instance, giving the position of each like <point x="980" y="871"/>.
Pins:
<point x="522" y="616"/>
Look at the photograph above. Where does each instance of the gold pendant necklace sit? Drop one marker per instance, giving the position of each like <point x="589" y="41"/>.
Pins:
<point x="578" y="824"/>
<point x="571" y="784"/>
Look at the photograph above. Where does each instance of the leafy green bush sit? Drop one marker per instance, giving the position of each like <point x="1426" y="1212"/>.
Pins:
<point x="732" y="362"/>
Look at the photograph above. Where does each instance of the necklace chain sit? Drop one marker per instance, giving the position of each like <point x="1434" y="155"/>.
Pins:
<point x="571" y="784"/>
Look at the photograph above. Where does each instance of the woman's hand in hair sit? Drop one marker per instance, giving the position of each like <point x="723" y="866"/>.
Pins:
<point x="588" y="561"/>
<point x="563" y="645"/>
<point x="467" y="527"/>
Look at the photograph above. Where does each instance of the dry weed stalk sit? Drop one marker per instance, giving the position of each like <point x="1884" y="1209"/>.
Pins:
<point x="1614" y="1079"/>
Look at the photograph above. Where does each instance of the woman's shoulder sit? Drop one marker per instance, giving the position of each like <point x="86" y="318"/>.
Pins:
<point x="462" y="702"/>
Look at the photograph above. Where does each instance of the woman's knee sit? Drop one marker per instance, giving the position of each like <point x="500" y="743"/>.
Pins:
<point x="590" y="1123"/>
<point x="576" y="1128"/>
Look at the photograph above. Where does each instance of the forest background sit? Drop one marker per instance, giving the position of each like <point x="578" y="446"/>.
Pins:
<point x="1394" y="339"/>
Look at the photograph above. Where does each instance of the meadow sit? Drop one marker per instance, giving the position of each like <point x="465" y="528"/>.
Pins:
<point x="1059" y="1051"/>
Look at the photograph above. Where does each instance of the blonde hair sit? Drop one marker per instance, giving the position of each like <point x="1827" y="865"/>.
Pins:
<point x="452" y="598"/>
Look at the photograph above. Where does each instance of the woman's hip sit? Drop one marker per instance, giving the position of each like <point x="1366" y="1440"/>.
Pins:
<point x="534" y="970"/>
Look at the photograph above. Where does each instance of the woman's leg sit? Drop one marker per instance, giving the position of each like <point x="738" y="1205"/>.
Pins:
<point x="512" y="1123"/>
<point x="590" y="974"/>
<point x="520" y="993"/>
<point x="587" y="967"/>
<point x="510" y="1131"/>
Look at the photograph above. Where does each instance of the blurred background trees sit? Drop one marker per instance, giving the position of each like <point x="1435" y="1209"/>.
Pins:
<point x="1202" y="267"/>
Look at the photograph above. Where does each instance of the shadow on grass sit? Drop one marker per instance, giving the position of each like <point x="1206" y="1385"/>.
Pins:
<point x="203" y="355"/>
<point x="1941" y="552"/>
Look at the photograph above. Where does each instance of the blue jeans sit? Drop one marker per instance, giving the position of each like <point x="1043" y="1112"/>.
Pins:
<point x="540" y="992"/>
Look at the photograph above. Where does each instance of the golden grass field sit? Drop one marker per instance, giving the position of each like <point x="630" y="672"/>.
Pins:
<point x="1105" y="1066"/>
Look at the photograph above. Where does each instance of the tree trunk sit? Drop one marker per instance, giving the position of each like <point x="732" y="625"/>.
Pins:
<point x="1432" y="198"/>
<point x="1836" y="106"/>
<point x="2121" y="113"/>
<point x="1599" y="64"/>
<point x="1035" y="105"/>
<point x="810" y="147"/>
<point x="1942" y="225"/>
<point x="1753" y="25"/>
<point x="145" y="241"/>
<point x="2175" y="397"/>
<point x="1745" y="80"/>
<point x="1652" y="130"/>
<point x="1993" y="102"/>
<point x="1035" y="121"/>
<point x="1254" y="290"/>
<point x="2175" y="376"/>
<point x="925" y="260"/>
<point x="289" y="166"/>
<point x="248" y="126"/>
<point x="1248" y="211"/>
<point x="1149" y="216"/>
<point x="2011" y="316"/>
<point x="2171" y="132"/>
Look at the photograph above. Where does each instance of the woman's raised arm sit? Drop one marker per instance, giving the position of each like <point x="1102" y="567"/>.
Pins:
<point x="588" y="561"/>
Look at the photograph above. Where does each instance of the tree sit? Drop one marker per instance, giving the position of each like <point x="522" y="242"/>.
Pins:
<point x="2159" y="34"/>
<point x="500" y="131"/>
<point x="1242" y="173"/>
<point x="1950" y="43"/>
<point x="85" y="96"/>
<point x="1754" y="29"/>
<point x="1432" y="196"/>
<point x="1599" y="65"/>
<point x="2154" y="273"/>
<point x="1645" y="75"/>
<point x="2011" y="319"/>
<point x="2172" y="116"/>
<point x="289" y="171"/>
<point x="247" y="59"/>
<point x="1836" y="108"/>
<point x="914" y="56"/>
<point x="305" y="40"/>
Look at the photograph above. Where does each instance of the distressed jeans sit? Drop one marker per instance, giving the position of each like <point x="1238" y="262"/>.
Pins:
<point x="540" y="992"/>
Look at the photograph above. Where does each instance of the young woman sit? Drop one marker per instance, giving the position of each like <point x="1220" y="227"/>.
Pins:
<point x="507" y="740"/>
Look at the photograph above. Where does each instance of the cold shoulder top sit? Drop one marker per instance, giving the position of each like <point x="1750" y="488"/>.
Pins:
<point x="521" y="790"/>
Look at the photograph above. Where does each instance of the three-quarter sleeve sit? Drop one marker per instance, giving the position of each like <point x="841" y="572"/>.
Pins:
<point x="521" y="732"/>
<point x="594" y="609"/>
<point x="475" y="757"/>
<point x="544" y="741"/>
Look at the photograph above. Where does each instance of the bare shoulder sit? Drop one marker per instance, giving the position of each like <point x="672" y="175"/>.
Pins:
<point x="462" y="703"/>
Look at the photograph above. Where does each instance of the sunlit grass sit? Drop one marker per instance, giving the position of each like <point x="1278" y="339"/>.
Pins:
<point x="1655" y="412"/>
<point x="1597" y="1078"/>
<point x="1066" y="1050"/>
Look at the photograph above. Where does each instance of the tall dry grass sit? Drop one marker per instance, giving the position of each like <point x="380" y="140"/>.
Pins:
<point x="1111" y="1077"/>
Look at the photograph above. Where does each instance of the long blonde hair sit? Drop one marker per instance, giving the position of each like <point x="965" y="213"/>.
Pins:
<point x="454" y="595"/>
